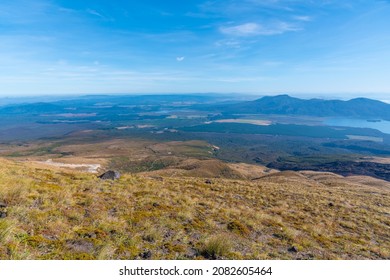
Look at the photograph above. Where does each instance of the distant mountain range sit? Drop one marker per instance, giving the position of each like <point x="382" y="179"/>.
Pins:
<point x="93" y="102"/>
<point x="362" y="108"/>
<point x="287" y="105"/>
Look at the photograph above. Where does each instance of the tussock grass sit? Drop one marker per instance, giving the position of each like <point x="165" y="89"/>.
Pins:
<point x="217" y="247"/>
<point x="53" y="214"/>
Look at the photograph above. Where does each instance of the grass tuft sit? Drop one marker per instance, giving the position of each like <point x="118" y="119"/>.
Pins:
<point x="216" y="247"/>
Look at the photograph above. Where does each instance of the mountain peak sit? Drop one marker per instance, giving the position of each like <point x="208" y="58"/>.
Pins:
<point x="287" y="105"/>
<point x="280" y="96"/>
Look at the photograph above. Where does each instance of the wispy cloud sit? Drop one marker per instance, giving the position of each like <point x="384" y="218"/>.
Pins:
<point x="95" y="13"/>
<point x="242" y="29"/>
<point x="52" y="46"/>
<point x="167" y="37"/>
<point x="24" y="12"/>
<point x="240" y="79"/>
<point x="228" y="43"/>
<point x="303" y="18"/>
<point x="255" y="29"/>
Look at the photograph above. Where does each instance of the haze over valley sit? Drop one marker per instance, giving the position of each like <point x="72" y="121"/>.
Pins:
<point x="197" y="130"/>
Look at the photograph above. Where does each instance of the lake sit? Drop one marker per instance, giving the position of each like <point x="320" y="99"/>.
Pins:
<point x="383" y="126"/>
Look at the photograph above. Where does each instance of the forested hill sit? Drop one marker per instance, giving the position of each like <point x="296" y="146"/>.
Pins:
<point x="287" y="105"/>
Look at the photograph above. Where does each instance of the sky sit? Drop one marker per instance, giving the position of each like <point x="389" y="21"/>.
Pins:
<point x="322" y="47"/>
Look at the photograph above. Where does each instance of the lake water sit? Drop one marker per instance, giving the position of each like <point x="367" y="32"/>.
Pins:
<point x="383" y="126"/>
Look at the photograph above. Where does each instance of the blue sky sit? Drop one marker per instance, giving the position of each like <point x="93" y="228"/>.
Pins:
<point x="323" y="47"/>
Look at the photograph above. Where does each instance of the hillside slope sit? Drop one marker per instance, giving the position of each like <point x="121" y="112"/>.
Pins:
<point x="57" y="214"/>
<point x="287" y="105"/>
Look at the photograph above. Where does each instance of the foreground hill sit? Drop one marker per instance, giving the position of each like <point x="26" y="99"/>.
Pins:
<point x="57" y="214"/>
<point x="286" y="105"/>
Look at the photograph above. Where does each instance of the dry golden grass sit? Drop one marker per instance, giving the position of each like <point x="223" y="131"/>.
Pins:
<point x="250" y="171"/>
<point x="211" y="168"/>
<point x="91" y="150"/>
<point x="134" y="155"/>
<point x="56" y="214"/>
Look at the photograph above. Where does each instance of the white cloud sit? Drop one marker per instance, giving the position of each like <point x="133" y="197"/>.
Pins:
<point x="180" y="58"/>
<point x="303" y="18"/>
<point x="254" y="29"/>
<point x="228" y="43"/>
<point x="242" y="30"/>
<point x="94" y="12"/>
